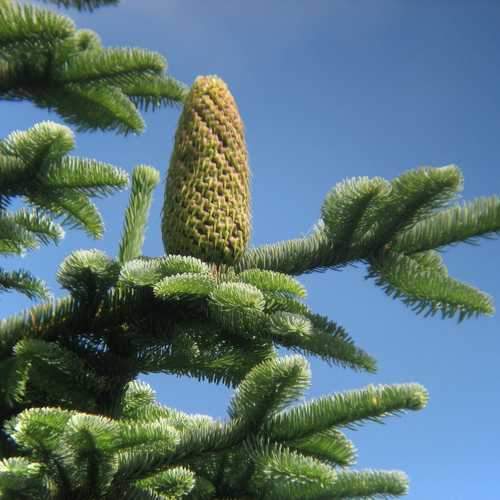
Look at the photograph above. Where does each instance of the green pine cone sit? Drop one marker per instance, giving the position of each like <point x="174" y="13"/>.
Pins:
<point x="206" y="212"/>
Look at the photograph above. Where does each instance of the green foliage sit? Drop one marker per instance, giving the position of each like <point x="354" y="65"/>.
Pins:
<point x="465" y="223"/>
<point x="260" y="452"/>
<point x="34" y="166"/>
<point x="88" y="274"/>
<point x="21" y="479"/>
<point x="72" y="383"/>
<point x="290" y="324"/>
<point x="308" y="254"/>
<point x="144" y="180"/>
<point x="329" y="445"/>
<point x="283" y="474"/>
<point x="413" y="196"/>
<point x="185" y="285"/>
<point x="173" y="483"/>
<point x="268" y="281"/>
<point x="346" y="409"/>
<point x="232" y="302"/>
<point x="84" y="5"/>
<point x="23" y="282"/>
<point x="75" y="421"/>
<point x="14" y="377"/>
<point x="35" y="224"/>
<point x="426" y="288"/>
<point x="347" y="207"/>
<point x="44" y="59"/>
<point x="269" y="388"/>
<point x="147" y="272"/>
<point x="212" y="331"/>
<point x="387" y="225"/>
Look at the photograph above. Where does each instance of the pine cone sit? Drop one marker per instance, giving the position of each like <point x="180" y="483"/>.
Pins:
<point x="206" y="212"/>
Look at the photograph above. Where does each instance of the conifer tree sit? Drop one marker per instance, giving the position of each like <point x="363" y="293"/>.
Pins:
<point x="78" y="424"/>
<point x="45" y="59"/>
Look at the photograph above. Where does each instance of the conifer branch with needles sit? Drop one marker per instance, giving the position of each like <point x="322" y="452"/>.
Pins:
<point x="83" y="5"/>
<point x="144" y="180"/>
<point x="147" y="447"/>
<point x="35" y="167"/>
<point x="75" y="422"/>
<point x="45" y="59"/>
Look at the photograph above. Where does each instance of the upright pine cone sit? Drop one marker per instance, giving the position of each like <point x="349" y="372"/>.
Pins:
<point x="206" y="212"/>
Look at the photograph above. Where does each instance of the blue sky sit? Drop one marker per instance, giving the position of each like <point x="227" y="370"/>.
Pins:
<point x="330" y="89"/>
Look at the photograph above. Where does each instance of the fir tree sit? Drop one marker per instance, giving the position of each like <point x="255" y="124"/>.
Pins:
<point x="77" y="423"/>
<point x="45" y="59"/>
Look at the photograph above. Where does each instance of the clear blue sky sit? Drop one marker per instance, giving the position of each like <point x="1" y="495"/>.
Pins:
<point x="330" y="89"/>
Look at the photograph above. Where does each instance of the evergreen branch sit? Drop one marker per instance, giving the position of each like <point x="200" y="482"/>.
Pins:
<point x="14" y="80"/>
<point x="205" y="438"/>
<point x="174" y="483"/>
<point x="137" y="398"/>
<point x="144" y="180"/>
<point x="14" y="239"/>
<point x="268" y="388"/>
<point x="116" y="67"/>
<point x="42" y="144"/>
<point x="14" y="376"/>
<point x="480" y="218"/>
<point x="216" y="361"/>
<point x="22" y="479"/>
<point x="346" y="208"/>
<point x="331" y="343"/>
<point x="203" y="489"/>
<point x="134" y="465"/>
<point x="148" y="271"/>
<point x="39" y="225"/>
<point x="83" y="5"/>
<point x="413" y="196"/>
<point x="278" y="301"/>
<point x="132" y="492"/>
<point x="88" y="274"/>
<point x="345" y="409"/>
<point x="23" y="282"/>
<point x="238" y="296"/>
<point x="69" y="317"/>
<point x="57" y="373"/>
<point x="43" y="58"/>
<point x="237" y="306"/>
<point x="12" y="172"/>
<point x="76" y="210"/>
<point x="85" y="443"/>
<point x="87" y="40"/>
<point x="26" y="29"/>
<point x="284" y="323"/>
<point x="141" y="272"/>
<point x="40" y="321"/>
<point x="33" y="164"/>
<point x="38" y="430"/>
<point x="369" y="484"/>
<point x="330" y="446"/>
<point x="90" y="177"/>
<point x="144" y="436"/>
<point x="314" y="252"/>
<point x="276" y="283"/>
<point x="281" y="474"/>
<point x="94" y="108"/>
<point x="426" y="288"/>
<point x="154" y="92"/>
<point x="184" y="286"/>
